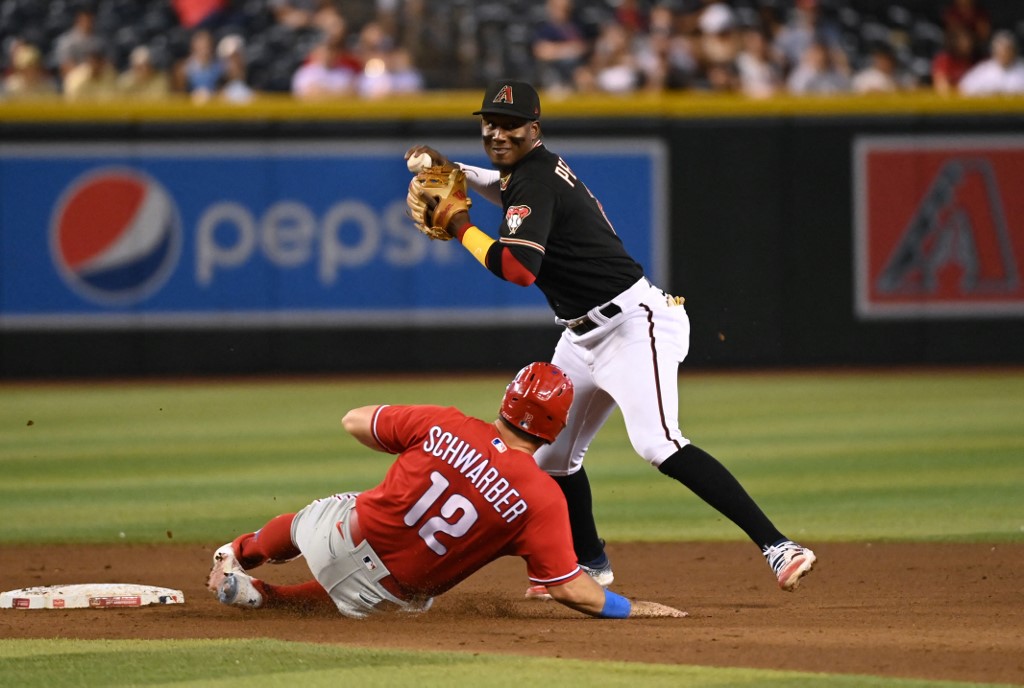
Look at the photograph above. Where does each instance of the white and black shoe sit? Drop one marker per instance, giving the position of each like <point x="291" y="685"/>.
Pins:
<point x="790" y="562"/>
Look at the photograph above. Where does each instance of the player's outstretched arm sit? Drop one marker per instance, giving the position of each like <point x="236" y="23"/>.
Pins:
<point x="439" y="208"/>
<point x="484" y="182"/>
<point x="584" y="595"/>
<point x="487" y="183"/>
<point x="359" y="423"/>
<point x="490" y="253"/>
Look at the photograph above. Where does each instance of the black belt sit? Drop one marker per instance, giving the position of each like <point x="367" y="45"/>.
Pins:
<point x="586" y="324"/>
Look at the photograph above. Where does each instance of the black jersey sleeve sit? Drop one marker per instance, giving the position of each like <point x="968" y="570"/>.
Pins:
<point x="529" y="213"/>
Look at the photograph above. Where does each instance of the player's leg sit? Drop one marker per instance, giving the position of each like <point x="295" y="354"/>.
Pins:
<point x="643" y="379"/>
<point x="563" y="459"/>
<point x="307" y="597"/>
<point x="706" y="477"/>
<point x="272" y="543"/>
<point x="588" y="546"/>
<point x="343" y="563"/>
<point x="239" y="589"/>
<point x="642" y="376"/>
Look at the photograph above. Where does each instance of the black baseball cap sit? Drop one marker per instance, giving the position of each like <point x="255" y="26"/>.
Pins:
<point x="515" y="98"/>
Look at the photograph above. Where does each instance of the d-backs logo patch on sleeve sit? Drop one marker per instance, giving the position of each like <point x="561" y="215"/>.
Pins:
<point x="514" y="217"/>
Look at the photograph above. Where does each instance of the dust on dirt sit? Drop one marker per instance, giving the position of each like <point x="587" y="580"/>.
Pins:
<point x="921" y="610"/>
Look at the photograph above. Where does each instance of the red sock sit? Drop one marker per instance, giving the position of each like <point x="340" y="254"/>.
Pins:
<point x="308" y="596"/>
<point x="271" y="542"/>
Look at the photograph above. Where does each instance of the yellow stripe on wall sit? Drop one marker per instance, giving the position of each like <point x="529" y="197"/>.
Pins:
<point x="459" y="104"/>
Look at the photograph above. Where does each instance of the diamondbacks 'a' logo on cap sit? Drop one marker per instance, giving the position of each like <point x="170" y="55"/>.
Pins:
<point x="504" y="95"/>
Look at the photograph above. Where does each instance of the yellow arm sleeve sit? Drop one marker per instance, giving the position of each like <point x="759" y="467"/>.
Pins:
<point x="477" y="243"/>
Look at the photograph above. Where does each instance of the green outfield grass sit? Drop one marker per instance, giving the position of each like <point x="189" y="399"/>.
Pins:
<point x="836" y="456"/>
<point x="839" y="456"/>
<point x="211" y="663"/>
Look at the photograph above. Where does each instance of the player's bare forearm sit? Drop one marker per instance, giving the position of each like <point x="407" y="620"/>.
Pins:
<point x="585" y="595"/>
<point x="581" y="594"/>
<point x="458" y="221"/>
<point x="359" y="423"/>
<point x="486" y="183"/>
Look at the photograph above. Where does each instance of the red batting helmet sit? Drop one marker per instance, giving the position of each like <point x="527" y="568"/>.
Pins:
<point x="537" y="401"/>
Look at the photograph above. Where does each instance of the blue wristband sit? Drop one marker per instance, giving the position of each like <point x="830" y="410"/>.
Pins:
<point x="615" y="606"/>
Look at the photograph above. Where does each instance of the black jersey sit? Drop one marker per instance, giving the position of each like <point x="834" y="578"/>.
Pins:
<point x="557" y="229"/>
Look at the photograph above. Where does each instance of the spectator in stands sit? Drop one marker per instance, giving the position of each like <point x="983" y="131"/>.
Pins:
<point x="74" y="45"/>
<point x="760" y="72"/>
<point x="769" y="19"/>
<point x="1001" y="74"/>
<point x="28" y="79"/>
<point x="391" y="14"/>
<point x="882" y="73"/>
<point x="373" y="42"/>
<point x="235" y="86"/>
<point x="666" y="58"/>
<point x="390" y="74"/>
<point x="325" y="74"/>
<point x="560" y="46"/>
<point x="405" y="77"/>
<point x="385" y="69"/>
<point x="304" y="14"/>
<point x="951" y="63"/>
<point x="805" y="26"/>
<point x="92" y="80"/>
<point x="970" y="15"/>
<point x="721" y="77"/>
<point x="197" y="15"/>
<point x="612" y="67"/>
<point x="201" y="72"/>
<point x="817" y="73"/>
<point x="142" y="79"/>
<point x="719" y="38"/>
<point x="632" y="15"/>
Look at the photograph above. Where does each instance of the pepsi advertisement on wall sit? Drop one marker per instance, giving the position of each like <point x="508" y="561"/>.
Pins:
<point x="199" y="234"/>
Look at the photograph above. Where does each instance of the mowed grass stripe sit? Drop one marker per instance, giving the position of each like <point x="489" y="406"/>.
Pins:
<point x="829" y="456"/>
<point x="264" y="662"/>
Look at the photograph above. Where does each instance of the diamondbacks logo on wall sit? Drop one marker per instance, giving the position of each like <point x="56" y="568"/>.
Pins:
<point x="115" y="236"/>
<point x="514" y="217"/>
<point x="939" y="229"/>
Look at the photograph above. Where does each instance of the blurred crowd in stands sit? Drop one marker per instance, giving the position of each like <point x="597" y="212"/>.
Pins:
<point x="232" y="50"/>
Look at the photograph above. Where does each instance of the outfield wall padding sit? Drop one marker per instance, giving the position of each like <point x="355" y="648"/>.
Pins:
<point x="778" y="224"/>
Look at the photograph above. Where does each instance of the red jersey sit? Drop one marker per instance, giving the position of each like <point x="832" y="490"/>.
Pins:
<point x="952" y="66"/>
<point x="192" y="12"/>
<point x="457" y="498"/>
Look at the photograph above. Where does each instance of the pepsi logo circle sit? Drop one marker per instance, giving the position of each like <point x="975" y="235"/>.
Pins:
<point x="115" y="236"/>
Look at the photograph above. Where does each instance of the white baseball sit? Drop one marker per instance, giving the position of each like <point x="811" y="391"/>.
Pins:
<point x="419" y="162"/>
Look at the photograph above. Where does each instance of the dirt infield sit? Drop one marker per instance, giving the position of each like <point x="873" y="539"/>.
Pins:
<point x="936" y="611"/>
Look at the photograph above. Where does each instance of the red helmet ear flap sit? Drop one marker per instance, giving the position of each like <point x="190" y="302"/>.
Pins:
<point x="537" y="401"/>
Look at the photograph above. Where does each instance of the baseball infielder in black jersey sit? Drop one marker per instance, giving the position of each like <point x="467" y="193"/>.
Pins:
<point x="623" y="337"/>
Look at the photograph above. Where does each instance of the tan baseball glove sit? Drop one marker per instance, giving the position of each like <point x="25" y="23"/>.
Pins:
<point x="435" y="195"/>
